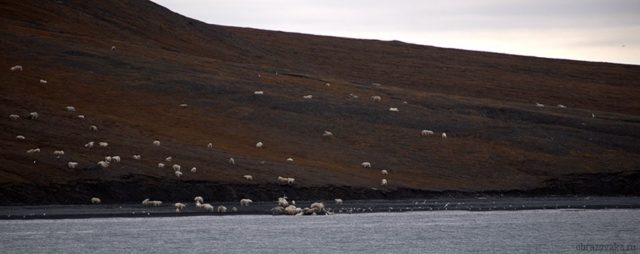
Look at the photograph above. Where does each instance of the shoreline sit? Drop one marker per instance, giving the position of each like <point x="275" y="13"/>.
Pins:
<point x="482" y="204"/>
<point x="133" y="188"/>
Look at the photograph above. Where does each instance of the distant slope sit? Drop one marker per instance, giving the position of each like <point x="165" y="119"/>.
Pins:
<point x="485" y="102"/>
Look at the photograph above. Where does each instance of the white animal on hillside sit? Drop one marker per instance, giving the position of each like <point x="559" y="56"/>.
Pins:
<point x="245" y="202"/>
<point x="561" y="106"/>
<point x="285" y="180"/>
<point x="156" y="143"/>
<point x="72" y="164"/>
<point x="179" y="207"/>
<point x="232" y="161"/>
<point x="207" y="207"/>
<point x="394" y="109"/>
<point x="16" y="68"/>
<point x="259" y="145"/>
<point x="194" y="169"/>
<point x="283" y="202"/>
<point x="178" y="174"/>
<point x="93" y="128"/>
<point x="539" y="105"/>
<point x="115" y="158"/>
<point x="71" y="108"/>
<point x="384" y="172"/>
<point x="95" y="200"/>
<point x="160" y="165"/>
<point x="210" y="145"/>
<point x="222" y="209"/>
<point x="317" y="207"/>
<point x="58" y="153"/>
<point x="426" y="132"/>
<point x="148" y="202"/>
<point x="80" y="116"/>
<point x="308" y="96"/>
<point x="176" y="167"/>
<point x="366" y="164"/>
<point x="327" y="134"/>
<point x="42" y="81"/>
<point x="248" y="177"/>
<point x="353" y="96"/>
<point x="258" y="92"/>
<point x="291" y="210"/>
<point x="14" y="117"/>
<point x="33" y="150"/>
<point x="89" y="145"/>
<point x="33" y="115"/>
<point x="103" y="164"/>
<point x="289" y="159"/>
<point x="376" y="98"/>
<point x="107" y="159"/>
<point x="383" y="182"/>
<point x="278" y="210"/>
<point x="338" y="201"/>
<point x="113" y="48"/>
<point x="327" y="84"/>
<point x="168" y="159"/>
<point x="444" y="135"/>
<point x="136" y="156"/>
<point x="198" y="199"/>
<point x="20" y="137"/>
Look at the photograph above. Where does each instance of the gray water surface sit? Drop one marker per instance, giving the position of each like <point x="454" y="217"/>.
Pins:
<point x="528" y="231"/>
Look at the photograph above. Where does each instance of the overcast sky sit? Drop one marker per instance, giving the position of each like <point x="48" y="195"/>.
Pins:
<point x="594" y="30"/>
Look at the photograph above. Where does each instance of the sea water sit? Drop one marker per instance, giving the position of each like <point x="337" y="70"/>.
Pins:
<point x="528" y="231"/>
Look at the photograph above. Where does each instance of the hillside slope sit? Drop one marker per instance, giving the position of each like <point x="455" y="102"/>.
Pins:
<point x="497" y="138"/>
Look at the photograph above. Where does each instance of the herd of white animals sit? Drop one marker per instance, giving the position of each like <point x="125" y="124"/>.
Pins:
<point x="284" y="207"/>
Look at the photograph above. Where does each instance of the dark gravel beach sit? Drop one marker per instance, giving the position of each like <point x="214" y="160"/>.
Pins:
<point x="490" y="203"/>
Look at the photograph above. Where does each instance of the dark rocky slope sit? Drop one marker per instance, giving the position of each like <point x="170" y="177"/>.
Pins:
<point x="498" y="140"/>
